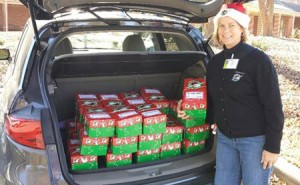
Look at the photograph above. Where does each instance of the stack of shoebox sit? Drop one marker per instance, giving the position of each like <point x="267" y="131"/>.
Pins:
<point x="194" y="101"/>
<point x="171" y="139"/>
<point x="194" y="104"/>
<point x="151" y="154"/>
<point x="128" y="127"/>
<point x="92" y="146"/>
<point x="78" y="161"/>
<point x="82" y="101"/>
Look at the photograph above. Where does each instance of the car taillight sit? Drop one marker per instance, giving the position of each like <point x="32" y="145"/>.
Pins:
<point x="27" y="132"/>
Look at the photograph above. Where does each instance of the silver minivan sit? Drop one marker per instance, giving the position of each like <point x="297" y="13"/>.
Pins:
<point x="92" y="46"/>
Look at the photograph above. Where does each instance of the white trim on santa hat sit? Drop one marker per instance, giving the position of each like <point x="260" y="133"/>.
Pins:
<point x="241" y="18"/>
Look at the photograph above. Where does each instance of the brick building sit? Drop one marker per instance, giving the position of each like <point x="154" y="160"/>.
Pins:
<point x="13" y="15"/>
<point x="286" y="17"/>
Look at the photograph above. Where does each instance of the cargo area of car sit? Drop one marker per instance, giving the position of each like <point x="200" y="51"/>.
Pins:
<point x="73" y="74"/>
<point x="105" y="73"/>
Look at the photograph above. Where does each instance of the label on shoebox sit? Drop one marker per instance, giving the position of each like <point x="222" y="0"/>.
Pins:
<point x="112" y="103"/>
<point x="143" y="107"/>
<point x="129" y="95"/>
<point x="108" y="97"/>
<point x="128" y="118"/>
<point x="86" y="97"/>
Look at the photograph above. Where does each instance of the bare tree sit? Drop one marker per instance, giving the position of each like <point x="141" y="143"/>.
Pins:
<point x="266" y="8"/>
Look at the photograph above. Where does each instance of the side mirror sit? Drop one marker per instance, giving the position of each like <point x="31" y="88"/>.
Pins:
<point x="5" y="54"/>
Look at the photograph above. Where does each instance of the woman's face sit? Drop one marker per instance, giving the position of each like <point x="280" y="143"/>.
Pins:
<point x="229" y="32"/>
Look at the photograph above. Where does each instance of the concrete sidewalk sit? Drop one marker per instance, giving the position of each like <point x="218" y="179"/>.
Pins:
<point x="287" y="172"/>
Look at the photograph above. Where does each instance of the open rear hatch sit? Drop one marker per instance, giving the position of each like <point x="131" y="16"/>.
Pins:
<point x="191" y="10"/>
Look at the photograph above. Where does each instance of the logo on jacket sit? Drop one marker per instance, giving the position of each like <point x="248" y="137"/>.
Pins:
<point x="237" y="76"/>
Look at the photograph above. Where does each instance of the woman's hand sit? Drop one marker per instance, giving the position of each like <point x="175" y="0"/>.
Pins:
<point x="268" y="159"/>
<point x="214" y="128"/>
<point x="180" y="113"/>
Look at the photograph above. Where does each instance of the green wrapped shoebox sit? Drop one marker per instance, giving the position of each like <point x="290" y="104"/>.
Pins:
<point x="100" y="125"/>
<point x="197" y="133"/>
<point x="118" y="160"/>
<point x="192" y="147"/>
<point x="93" y="146"/>
<point x="170" y="150"/>
<point x="174" y="130"/>
<point x="128" y="123"/>
<point x="82" y="162"/>
<point x="124" y="145"/>
<point x="147" y="155"/>
<point x="154" y="122"/>
<point x="149" y="142"/>
<point x="187" y="123"/>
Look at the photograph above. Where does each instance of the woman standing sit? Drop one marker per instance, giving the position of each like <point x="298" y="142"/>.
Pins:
<point x="244" y="103"/>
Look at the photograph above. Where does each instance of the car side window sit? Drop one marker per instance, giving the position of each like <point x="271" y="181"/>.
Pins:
<point x="114" y="41"/>
<point x="176" y="42"/>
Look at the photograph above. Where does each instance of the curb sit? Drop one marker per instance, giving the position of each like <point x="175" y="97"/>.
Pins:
<point x="287" y="172"/>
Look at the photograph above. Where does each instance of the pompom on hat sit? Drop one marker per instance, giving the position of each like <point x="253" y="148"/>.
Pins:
<point x="236" y="11"/>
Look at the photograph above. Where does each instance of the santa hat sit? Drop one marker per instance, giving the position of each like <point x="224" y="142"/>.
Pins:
<point x="235" y="11"/>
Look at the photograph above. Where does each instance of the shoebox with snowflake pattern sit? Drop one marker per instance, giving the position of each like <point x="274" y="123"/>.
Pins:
<point x="93" y="146"/>
<point x="118" y="160"/>
<point x="174" y="130"/>
<point x="147" y="155"/>
<point x="128" y="123"/>
<point x="170" y="150"/>
<point x="154" y="122"/>
<point x="149" y="141"/>
<point x="100" y="125"/>
<point x="194" y="99"/>
<point x="192" y="147"/>
<point x="124" y="145"/>
<point x="197" y="133"/>
<point x="82" y="162"/>
<point x="85" y="101"/>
